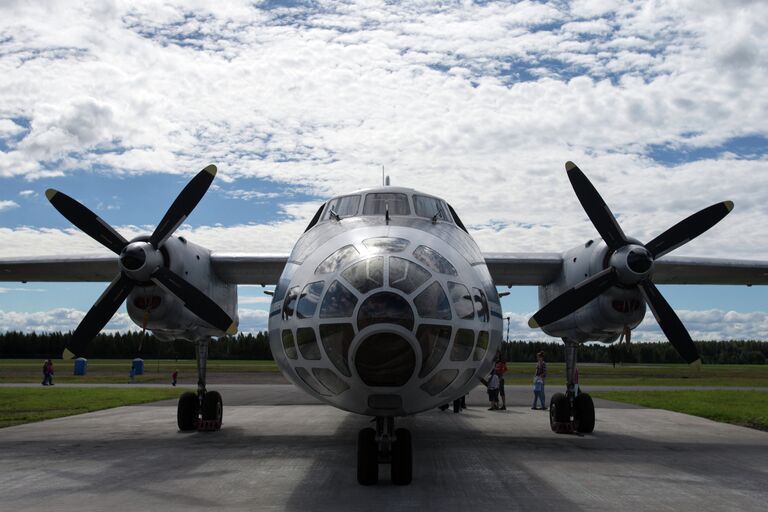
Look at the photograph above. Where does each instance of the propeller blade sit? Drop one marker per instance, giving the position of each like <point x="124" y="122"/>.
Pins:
<point x="183" y="205"/>
<point x="597" y="211"/>
<point x="571" y="300"/>
<point x="670" y="323"/>
<point x="88" y="222"/>
<point x="688" y="229"/>
<point x="98" y="316"/>
<point x="195" y="300"/>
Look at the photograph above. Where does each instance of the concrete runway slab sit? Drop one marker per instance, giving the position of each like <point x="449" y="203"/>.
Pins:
<point x="301" y="456"/>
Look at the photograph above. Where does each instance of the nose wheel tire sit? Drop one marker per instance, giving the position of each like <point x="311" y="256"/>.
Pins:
<point x="402" y="458"/>
<point x="186" y="413"/>
<point x="584" y="413"/>
<point x="367" y="457"/>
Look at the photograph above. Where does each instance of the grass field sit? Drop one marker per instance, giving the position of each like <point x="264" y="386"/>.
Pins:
<point x="25" y="405"/>
<point x="746" y="408"/>
<point x="115" y="371"/>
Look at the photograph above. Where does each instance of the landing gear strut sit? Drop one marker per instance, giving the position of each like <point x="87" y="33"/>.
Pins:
<point x="204" y="410"/>
<point x="384" y="445"/>
<point x="573" y="411"/>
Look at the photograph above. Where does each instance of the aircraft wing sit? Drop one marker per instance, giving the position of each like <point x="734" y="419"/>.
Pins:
<point x="248" y="268"/>
<point x="520" y="269"/>
<point x="231" y="267"/>
<point x="59" y="268"/>
<point x="507" y="269"/>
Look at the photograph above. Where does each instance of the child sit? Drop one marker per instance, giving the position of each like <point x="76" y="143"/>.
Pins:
<point x="493" y="391"/>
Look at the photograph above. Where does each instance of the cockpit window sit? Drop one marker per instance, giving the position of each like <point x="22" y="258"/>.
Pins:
<point x="309" y="299"/>
<point x="338" y="302"/>
<point x="377" y="204"/>
<point x="288" y="344"/>
<point x="482" y="346"/>
<point x="366" y="275"/>
<point x="462" y="300"/>
<point x="481" y="305"/>
<point x="462" y="345"/>
<point x="330" y="380"/>
<point x="345" y="206"/>
<point x="434" y="340"/>
<point x="430" y="207"/>
<point x="432" y="303"/>
<point x="305" y="339"/>
<point x="439" y="381"/>
<point x="289" y="305"/>
<point x="385" y="307"/>
<point x="385" y="244"/>
<point x="311" y="382"/>
<point x="405" y="275"/>
<point x="434" y="260"/>
<point x="336" y="340"/>
<point x="338" y="259"/>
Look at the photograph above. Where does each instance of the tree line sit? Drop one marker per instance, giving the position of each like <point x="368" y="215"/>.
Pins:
<point x="15" y="344"/>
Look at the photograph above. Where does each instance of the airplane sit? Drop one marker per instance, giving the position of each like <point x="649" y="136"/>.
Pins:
<point x="386" y="307"/>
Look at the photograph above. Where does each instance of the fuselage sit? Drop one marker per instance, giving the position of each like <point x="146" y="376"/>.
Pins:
<point x="386" y="306"/>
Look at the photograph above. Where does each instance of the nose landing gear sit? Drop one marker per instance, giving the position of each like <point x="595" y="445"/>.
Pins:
<point x="384" y="445"/>
<point x="202" y="411"/>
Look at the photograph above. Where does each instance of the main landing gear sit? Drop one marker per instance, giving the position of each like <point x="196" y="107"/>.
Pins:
<point x="573" y="411"/>
<point x="384" y="445"/>
<point x="204" y="410"/>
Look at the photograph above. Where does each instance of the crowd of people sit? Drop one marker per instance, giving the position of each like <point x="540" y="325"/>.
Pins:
<point x="495" y="385"/>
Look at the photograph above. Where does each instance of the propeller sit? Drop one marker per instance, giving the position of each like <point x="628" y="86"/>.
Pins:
<point x="631" y="263"/>
<point x="140" y="262"/>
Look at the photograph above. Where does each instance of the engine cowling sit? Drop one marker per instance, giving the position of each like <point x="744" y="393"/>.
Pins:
<point x="153" y="307"/>
<point x="602" y="319"/>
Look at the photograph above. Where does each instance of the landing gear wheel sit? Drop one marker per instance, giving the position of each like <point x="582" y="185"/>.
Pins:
<point x="213" y="411"/>
<point x="367" y="457"/>
<point x="186" y="413"/>
<point x="559" y="412"/>
<point x="584" y="413"/>
<point x="402" y="458"/>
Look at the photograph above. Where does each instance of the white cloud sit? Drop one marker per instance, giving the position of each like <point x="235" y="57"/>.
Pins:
<point x="21" y="290"/>
<point x="59" y="319"/>
<point x="28" y="193"/>
<point x="481" y="104"/>
<point x="712" y="324"/>
<point x="8" y="205"/>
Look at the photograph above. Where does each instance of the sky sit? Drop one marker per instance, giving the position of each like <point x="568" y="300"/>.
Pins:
<point x="118" y="104"/>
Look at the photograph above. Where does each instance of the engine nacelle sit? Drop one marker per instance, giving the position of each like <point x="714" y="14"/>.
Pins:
<point x="603" y="319"/>
<point x="152" y="307"/>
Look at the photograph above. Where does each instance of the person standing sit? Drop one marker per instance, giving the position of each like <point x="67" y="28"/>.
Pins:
<point x="50" y="372"/>
<point x="174" y="376"/>
<point x="538" y="382"/>
<point x="501" y="368"/>
<point x="493" y="391"/>
<point x="45" y="373"/>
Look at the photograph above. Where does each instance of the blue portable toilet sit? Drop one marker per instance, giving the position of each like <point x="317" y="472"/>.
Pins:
<point x="138" y="366"/>
<point x="81" y="366"/>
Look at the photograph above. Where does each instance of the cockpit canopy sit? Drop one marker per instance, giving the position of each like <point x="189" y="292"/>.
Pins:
<point x="398" y="201"/>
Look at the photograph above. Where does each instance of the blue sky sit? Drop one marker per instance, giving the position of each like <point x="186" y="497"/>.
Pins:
<point x="119" y="103"/>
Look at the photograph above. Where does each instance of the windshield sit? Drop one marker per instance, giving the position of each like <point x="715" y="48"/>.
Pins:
<point x="377" y="204"/>
<point x="345" y="206"/>
<point x="429" y="207"/>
